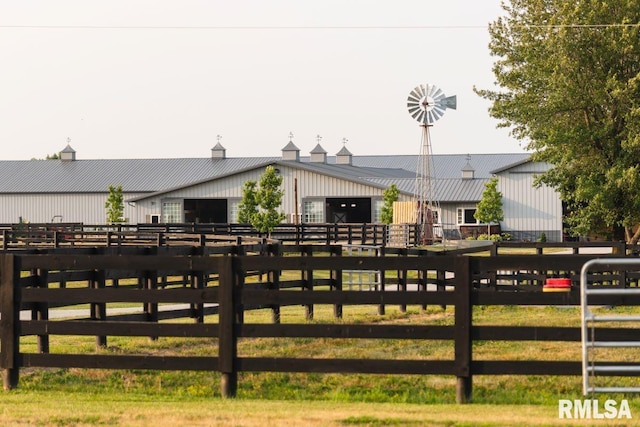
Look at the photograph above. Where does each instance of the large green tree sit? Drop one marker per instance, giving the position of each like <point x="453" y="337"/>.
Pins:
<point x="268" y="197"/>
<point x="389" y="196"/>
<point x="248" y="206"/>
<point x="489" y="208"/>
<point x="115" y="205"/>
<point x="569" y="86"/>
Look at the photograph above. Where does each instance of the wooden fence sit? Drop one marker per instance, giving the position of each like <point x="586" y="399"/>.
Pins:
<point x="18" y="236"/>
<point x="41" y="282"/>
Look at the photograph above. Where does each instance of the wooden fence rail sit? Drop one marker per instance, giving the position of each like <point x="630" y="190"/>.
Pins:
<point x="39" y="282"/>
<point x="17" y="236"/>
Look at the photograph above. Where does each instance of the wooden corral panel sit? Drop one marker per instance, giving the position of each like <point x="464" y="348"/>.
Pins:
<point x="404" y="212"/>
<point x="404" y="215"/>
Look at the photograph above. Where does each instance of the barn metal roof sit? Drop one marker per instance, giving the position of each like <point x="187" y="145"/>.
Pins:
<point x="95" y="176"/>
<point x="445" y="190"/>
<point x="161" y="175"/>
<point x="446" y="166"/>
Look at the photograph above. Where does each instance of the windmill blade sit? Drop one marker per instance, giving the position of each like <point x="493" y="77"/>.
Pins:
<point x="411" y="102"/>
<point x="430" y="90"/>
<point x="429" y="118"/>
<point x="414" y="110"/>
<point x="414" y="96"/>
<point x="421" y="116"/>
<point x="435" y="115"/>
<point x="437" y="112"/>
<point x="436" y="93"/>
<point x="416" y="113"/>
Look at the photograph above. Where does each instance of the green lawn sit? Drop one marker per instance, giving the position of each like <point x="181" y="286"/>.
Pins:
<point x="78" y="397"/>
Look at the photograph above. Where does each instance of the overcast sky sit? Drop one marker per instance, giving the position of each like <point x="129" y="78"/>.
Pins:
<point x="164" y="78"/>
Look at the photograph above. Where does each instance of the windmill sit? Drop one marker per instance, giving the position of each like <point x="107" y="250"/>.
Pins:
<point x="426" y="103"/>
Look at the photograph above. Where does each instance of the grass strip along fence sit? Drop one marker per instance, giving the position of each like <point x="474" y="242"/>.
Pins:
<point x="44" y="282"/>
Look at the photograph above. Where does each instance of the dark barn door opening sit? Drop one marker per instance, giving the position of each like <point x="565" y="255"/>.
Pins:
<point x="205" y="210"/>
<point x="341" y="210"/>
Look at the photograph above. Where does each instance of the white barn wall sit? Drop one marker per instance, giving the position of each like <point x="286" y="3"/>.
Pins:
<point x="310" y="185"/>
<point x="449" y="214"/>
<point x="528" y="208"/>
<point x="73" y="207"/>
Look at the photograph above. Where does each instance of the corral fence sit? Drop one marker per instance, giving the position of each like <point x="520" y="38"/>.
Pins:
<point x="54" y="235"/>
<point x="304" y="276"/>
<point x="19" y="236"/>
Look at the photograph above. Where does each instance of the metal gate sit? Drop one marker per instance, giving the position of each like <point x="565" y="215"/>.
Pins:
<point x="590" y="321"/>
<point x="362" y="279"/>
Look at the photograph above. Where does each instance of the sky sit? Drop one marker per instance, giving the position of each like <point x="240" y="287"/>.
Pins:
<point x="171" y="78"/>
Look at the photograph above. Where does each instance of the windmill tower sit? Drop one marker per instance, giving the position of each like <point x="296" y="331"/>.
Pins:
<point x="426" y="104"/>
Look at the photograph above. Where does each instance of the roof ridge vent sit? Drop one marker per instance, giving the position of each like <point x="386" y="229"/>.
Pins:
<point x="68" y="154"/>
<point x="218" y="152"/>
<point x="290" y="151"/>
<point x="318" y="154"/>
<point x="468" y="172"/>
<point x="344" y="156"/>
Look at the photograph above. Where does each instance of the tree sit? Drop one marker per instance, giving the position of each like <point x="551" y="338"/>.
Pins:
<point x="389" y="196"/>
<point x="115" y="205"/>
<point x="269" y="198"/>
<point x="489" y="208"/>
<point x="54" y="156"/>
<point x="570" y="87"/>
<point x="248" y="207"/>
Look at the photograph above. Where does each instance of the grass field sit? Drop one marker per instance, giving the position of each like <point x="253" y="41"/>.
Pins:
<point x="79" y="397"/>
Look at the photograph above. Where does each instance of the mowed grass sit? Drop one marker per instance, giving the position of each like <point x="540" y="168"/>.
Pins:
<point x="78" y="397"/>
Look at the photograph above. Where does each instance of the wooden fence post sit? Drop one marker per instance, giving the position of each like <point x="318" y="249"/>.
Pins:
<point x="10" y="320"/>
<point x="227" y="338"/>
<point x="462" y="331"/>
<point x="382" y="273"/>
<point x="336" y="281"/>
<point x="42" y="310"/>
<point x="402" y="278"/>
<point x="274" y="281"/>
<point x="240" y="250"/>
<point x="198" y="281"/>
<point x="151" y="283"/>
<point x="99" y="310"/>
<point x="423" y="285"/>
<point x="493" y="250"/>
<point x="299" y="233"/>
<point x="307" y="281"/>
<point x="441" y="283"/>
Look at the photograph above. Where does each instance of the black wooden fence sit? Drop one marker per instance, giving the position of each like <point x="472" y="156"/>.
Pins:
<point x="18" y="236"/>
<point x="41" y="282"/>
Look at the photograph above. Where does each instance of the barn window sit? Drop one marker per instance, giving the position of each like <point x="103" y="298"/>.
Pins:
<point x="377" y="209"/>
<point x="313" y="211"/>
<point x="466" y="216"/>
<point x="234" y="209"/>
<point x="171" y="212"/>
